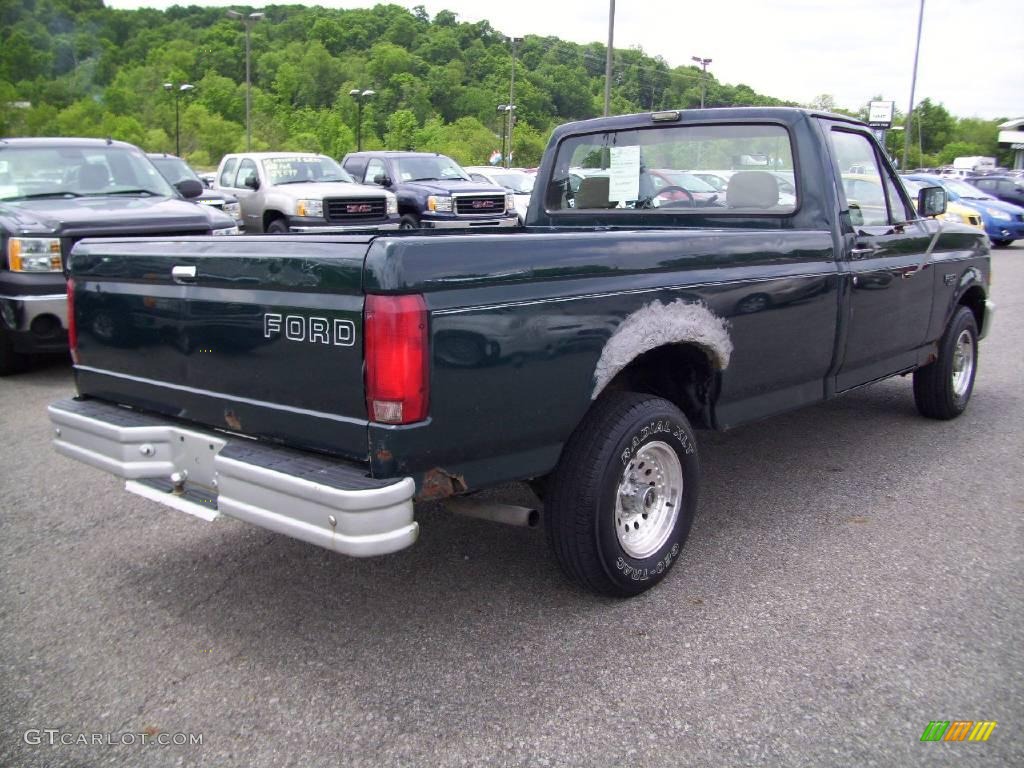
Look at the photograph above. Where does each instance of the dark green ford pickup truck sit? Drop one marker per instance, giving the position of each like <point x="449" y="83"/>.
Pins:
<point x="319" y="385"/>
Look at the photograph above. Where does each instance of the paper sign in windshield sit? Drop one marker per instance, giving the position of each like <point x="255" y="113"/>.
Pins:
<point x="624" y="181"/>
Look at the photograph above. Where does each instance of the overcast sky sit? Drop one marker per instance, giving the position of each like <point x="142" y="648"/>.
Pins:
<point x="972" y="57"/>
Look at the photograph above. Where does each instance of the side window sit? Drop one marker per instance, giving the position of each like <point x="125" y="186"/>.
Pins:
<point x="246" y="170"/>
<point x="227" y="174"/>
<point x="863" y="185"/>
<point x="374" y="168"/>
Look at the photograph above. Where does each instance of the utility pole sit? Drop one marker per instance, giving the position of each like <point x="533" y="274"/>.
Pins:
<point x="511" y="97"/>
<point x="913" y="84"/>
<point x="248" y="21"/>
<point x="703" y="76"/>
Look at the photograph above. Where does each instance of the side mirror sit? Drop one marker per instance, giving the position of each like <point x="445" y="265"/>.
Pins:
<point x="382" y="179"/>
<point x="189" y="188"/>
<point x="931" y="201"/>
<point x="252" y="182"/>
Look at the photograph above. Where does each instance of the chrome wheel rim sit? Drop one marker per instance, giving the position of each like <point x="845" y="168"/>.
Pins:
<point x="963" y="363"/>
<point x="647" y="500"/>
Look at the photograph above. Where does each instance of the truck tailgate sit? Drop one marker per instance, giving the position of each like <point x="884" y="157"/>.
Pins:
<point x="232" y="333"/>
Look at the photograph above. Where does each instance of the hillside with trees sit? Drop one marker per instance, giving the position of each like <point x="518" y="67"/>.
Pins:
<point x="75" y="67"/>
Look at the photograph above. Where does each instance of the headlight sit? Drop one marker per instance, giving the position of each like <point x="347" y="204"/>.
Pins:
<point x="234" y="210"/>
<point x="510" y="201"/>
<point x="995" y="213"/>
<point x="439" y="203"/>
<point x="392" y="203"/>
<point x="950" y="216"/>
<point x="34" y="254"/>
<point x="224" y="231"/>
<point x="310" y="208"/>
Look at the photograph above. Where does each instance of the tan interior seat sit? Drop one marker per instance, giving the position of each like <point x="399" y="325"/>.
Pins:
<point x="752" y="189"/>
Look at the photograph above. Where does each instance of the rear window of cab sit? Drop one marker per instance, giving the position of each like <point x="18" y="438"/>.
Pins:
<point x="710" y="169"/>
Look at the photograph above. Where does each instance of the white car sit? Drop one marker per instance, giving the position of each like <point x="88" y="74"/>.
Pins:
<point x="515" y="180"/>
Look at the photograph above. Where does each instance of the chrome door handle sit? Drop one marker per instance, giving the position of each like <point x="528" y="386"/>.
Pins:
<point x="860" y="253"/>
<point x="183" y="274"/>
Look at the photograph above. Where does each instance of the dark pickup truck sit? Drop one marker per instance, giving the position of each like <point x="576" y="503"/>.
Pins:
<point x="433" y="191"/>
<point x="318" y="386"/>
<point x="53" y="193"/>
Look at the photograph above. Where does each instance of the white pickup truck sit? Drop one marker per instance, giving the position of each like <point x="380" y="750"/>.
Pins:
<point x="283" y="192"/>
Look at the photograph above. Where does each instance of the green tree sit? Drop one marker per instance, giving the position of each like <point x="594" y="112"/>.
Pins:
<point x="401" y="133"/>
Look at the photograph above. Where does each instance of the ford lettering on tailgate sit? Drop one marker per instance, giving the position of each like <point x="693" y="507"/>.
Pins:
<point x="316" y="330"/>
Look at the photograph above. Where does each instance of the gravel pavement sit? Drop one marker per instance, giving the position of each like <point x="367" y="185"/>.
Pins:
<point x="854" y="573"/>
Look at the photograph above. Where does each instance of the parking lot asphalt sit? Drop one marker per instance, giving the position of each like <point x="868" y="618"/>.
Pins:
<point x="855" y="572"/>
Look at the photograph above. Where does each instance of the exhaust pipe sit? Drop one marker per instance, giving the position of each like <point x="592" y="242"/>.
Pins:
<point x="509" y="514"/>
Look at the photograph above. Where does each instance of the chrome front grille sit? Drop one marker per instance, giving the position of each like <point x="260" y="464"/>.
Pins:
<point x="480" y="205"/>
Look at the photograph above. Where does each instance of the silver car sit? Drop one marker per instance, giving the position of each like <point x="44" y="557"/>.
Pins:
<point x="282" y="192"/>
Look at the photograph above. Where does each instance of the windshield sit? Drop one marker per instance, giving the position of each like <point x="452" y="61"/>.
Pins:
<point x="302" y="169"/>
<point x="517" y="181"/>
<point x="174" y="169"/>
<point x="963" y="189"/>
<point x="428" y="168"/>
<point x="63" y="171"/>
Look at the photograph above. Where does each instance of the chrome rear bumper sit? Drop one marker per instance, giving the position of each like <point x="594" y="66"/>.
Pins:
<point x="332" y="504"/>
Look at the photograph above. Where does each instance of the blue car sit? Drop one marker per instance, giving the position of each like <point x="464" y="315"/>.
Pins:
<point x="1003" y="222"/>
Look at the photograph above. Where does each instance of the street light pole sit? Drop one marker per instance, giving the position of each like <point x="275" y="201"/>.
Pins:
<point x="176" y="91"/>
<point x="913" y="84"/>
<point x="360" y="96"/>
<point x="248" y="21"/>
<point x="502" y="109"/>
<point x="608" y="59"/>
<point x="703" y="76"/>
<point x="511" y="95"/>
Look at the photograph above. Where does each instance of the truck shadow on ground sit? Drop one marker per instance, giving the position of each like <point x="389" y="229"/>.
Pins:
<point x="770" y="489"/>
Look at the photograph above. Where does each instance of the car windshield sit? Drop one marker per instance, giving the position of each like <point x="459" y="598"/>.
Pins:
<point x="174" y="169"/>
<point x="304" y="169"/>
<point x="963" y="189"/>
<point x="517" y="181"/>
<point x="70" y="171"/>
<point x="428" y="168"/>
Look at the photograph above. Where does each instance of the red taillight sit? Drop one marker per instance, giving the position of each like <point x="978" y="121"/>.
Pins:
<point x="72" y="328"/>
<point x="397" y="375"/>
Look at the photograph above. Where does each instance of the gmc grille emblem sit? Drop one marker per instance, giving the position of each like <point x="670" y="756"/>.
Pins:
<point x="483" y="203"/>
<point x="359" y="208"/>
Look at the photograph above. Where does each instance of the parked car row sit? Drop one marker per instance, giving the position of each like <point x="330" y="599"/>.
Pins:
<point x="1003" y="222"/>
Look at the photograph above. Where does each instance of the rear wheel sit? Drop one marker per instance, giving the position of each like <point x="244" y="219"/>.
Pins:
<point x="942" y="389"/>
<point x="620" y="504"/>
<point x="1001" y="243"/>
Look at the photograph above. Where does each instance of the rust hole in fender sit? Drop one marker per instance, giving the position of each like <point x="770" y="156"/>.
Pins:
<point x="439" y="484"/>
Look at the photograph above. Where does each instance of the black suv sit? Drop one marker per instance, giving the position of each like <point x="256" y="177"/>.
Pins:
<point x="1009" y="189"/>
<point x="433" y="191"/>
<point x="53" y="193"/>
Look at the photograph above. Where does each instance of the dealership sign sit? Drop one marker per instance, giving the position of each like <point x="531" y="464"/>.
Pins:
<point x="880" y="114"/>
